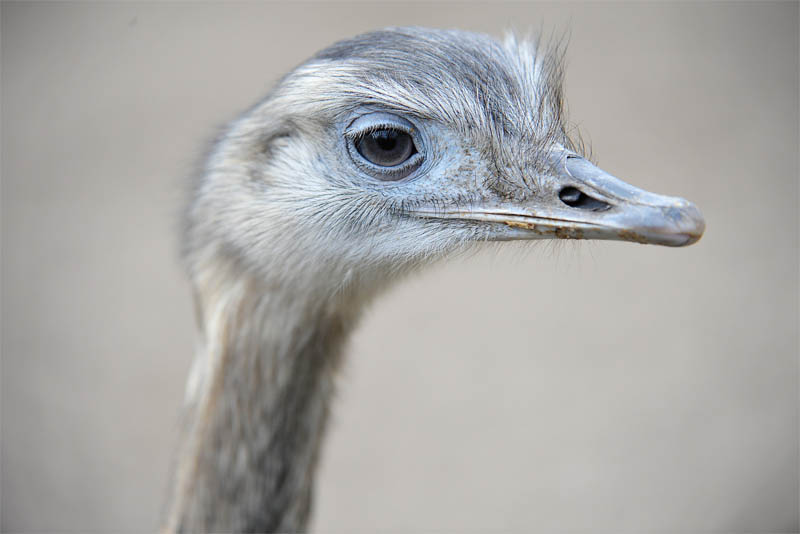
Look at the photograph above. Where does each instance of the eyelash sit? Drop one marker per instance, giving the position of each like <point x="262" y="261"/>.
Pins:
<point x="357" y="135"/>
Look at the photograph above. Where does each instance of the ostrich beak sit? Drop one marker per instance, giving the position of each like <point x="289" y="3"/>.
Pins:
<point x="580" y="201"/>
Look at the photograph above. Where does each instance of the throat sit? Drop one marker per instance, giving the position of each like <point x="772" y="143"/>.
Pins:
<point x="257" y="405"/>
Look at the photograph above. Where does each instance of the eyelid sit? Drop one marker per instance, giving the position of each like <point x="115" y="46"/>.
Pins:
<point x="377" y="120"/>
<point x="402" y="171"/>
<point x="357" y="133"/>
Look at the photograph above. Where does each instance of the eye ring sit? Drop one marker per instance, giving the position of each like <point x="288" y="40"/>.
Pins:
<point x="384" y="145"/>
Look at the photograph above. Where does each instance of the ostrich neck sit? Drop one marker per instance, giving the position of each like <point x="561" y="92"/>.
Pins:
<point x="257" y="404"/>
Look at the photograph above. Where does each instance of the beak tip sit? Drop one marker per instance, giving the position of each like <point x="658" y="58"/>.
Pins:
<point x="690" y="223"/>
<point x="694" y="221"/>
<point x="677" y="223"/>
<point x="692" y="239"/>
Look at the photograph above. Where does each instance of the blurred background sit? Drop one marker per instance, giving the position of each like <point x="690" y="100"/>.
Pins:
<point x="579" y="387"/>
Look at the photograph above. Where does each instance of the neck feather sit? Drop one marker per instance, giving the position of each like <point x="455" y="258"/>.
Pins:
<point x="257" y="403"/>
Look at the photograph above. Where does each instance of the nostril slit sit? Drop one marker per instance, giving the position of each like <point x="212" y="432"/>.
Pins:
<point x="570" y="196"/>
<point x="575" y="198"/>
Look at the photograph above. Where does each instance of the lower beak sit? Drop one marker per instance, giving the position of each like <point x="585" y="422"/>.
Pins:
<point x="581" y="201"/>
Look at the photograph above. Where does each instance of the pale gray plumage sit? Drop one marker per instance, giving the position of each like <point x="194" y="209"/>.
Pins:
<point x="289" y="231"/>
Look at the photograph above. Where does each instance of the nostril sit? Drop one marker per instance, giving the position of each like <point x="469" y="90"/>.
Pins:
<point x="575" y="198"/>
<point x="570" y="196"/>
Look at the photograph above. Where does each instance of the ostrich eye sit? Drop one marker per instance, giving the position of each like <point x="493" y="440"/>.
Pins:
<point x="386" y="147"/>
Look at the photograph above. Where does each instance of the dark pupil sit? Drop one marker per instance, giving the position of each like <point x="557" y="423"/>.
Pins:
<point x="386" y="139"/>
<point x="386" y="147"/>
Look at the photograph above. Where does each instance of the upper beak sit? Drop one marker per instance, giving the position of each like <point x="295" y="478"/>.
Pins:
<point x="581" y="201"/>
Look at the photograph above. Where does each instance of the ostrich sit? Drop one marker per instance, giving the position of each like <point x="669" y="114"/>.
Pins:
<point x="378" y="155"/>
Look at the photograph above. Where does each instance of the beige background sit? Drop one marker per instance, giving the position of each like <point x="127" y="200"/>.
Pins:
<point x="579" y="387"/>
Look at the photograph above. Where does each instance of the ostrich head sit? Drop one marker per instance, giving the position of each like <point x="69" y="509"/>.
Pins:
<point x="401" y="145"/>
<point x="379" y="153"/>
